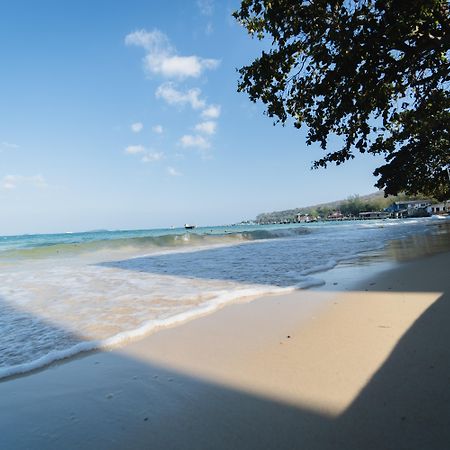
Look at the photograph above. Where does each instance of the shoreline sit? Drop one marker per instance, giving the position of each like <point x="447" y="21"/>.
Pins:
<point x="319" y="279"/>
<point x="234" y="379"/>
<point x="375" y="260"/>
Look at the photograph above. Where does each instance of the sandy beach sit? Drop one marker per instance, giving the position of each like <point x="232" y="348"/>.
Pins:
<point x="225" y="225"/>
<point x="360" y="363"/>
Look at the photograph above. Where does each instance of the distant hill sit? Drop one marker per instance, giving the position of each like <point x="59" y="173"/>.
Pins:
<point x="352" y="205"/>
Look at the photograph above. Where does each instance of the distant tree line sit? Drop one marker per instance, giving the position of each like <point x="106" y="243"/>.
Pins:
<point x="352" y="206"/>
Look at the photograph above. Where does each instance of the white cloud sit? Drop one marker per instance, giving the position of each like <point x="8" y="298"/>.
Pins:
<point x="158" y="129"/>
<point x="211" y="112"/>
<point x="147" y="155"/>
<point x="137" y="127"/>
<point x="207" y="127"/>
<point x="194" y="141"/>
<point x="152" y="156"/>
<point x="8" y="185"/>
<point x="206" y="7"/>
<point x="9" y="146"/>
<point x="153" y="41"/>
<point x="178" y="66"/>
<point x="161" y="58"/>
<point x="209" y="29"/>
<point x="135" y="149"/>
<point x="179" y="156"/>
<point x="10" y="182"/>
<point x="173" y="96"/>
<point x="173" y="172"/>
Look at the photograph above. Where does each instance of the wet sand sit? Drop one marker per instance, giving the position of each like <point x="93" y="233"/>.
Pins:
<point x="361" y="363"/>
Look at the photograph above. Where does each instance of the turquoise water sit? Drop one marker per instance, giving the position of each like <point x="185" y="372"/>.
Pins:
<point x="39" y="245"/>
<point x="61" y="294"/>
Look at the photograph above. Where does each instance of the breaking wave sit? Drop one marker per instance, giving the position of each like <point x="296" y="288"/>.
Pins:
<point x="63" y="245"/>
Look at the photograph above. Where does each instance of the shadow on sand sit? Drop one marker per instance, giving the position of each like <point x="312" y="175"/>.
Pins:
<point x="406" y="404"/>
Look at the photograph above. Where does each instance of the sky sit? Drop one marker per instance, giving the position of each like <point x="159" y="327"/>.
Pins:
<point x="126" y="115"/>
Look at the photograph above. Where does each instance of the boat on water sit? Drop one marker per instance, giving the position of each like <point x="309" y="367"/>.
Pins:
<point x="188" y="226"/>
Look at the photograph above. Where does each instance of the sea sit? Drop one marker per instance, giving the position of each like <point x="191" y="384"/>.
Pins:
<point x="63" y="294"/>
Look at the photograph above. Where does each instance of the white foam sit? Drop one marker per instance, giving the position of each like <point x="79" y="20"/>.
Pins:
<point x="137" y="300"/>
<point x="310" y="282"/>
<point x="147" y="328"/>
<point x="321" y="267"/>
<point x="440" y="217"/>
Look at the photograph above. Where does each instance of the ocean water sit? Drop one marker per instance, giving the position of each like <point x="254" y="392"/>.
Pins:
<point x="62" y="294"/>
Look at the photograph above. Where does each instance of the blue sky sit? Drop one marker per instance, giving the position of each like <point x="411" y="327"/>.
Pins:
<point x="125" y="115"/>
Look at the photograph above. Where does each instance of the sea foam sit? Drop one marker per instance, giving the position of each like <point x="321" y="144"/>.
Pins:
<point x="65" y="294"/>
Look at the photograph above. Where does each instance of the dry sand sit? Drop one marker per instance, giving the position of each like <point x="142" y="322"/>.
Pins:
<point x="361" y="363"/>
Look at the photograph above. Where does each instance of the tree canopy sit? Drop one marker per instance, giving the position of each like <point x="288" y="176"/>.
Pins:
<point x="373" y="72"/>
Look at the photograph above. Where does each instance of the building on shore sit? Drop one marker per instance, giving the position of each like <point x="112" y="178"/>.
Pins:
<point x="409" y="208"/>
<point x="439" y="208"/>
<point x="336" y="215"/>
<point x="374" y="215"/>
<point x="304" y="218"/>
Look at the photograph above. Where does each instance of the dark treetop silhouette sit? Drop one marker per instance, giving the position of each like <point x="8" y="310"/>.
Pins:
<point x="374" y="73"/>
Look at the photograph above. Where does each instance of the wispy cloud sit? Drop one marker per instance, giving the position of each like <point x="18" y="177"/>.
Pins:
<point x="208" y="127"/>
<point x="152" y="41"/>
<point x="170" y="94"/>
<point x="8" y="146"/>
<point x="151" y="156"/>
<point x="194" y="141"/>
<point x="137" y="127"/>
<point x="209" y="29"/>
<point x="162" y="59"/>
<point x="10" y="182"/>
<point x="146" y="154"/>
<point x="173" y="172"/>
<point x="135" y="149"/>
<point x="211" y="112"/>
<point x="206" y="7"/>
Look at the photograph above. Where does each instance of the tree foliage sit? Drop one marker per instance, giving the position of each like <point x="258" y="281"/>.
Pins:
<point x="355" y="204"/>
<point x="373" y="72"/>
<point x="352" y="206"/>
